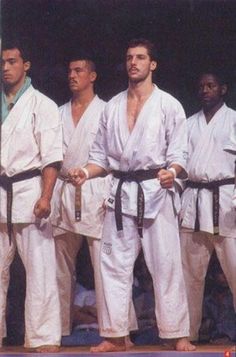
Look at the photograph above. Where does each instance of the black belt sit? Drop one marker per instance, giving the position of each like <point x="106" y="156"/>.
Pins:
<point x="213" y="186"/>
<point x="6" y="183"/>
<point x="136" y="176"/>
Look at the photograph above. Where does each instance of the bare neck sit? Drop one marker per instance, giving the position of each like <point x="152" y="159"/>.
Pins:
<point x="210" y="112"/>
<point x="80" y="102"/>
<point x="137" y="96"/>
<point x="83" y="98"/>
<point x="10" y="91"/>
<point x="140" y="91"/>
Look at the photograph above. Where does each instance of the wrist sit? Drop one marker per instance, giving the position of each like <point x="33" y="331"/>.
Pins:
<point x="45" y="197"/>
<point x="85" y="172"/>
<point x="172" y="169"/>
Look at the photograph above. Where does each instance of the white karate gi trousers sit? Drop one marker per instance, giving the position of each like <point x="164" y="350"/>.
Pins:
<point x="161" y="249"/>
<point x="36" y="248"/>
<point x="196" y="249"/>
<point x="67" y="248"/>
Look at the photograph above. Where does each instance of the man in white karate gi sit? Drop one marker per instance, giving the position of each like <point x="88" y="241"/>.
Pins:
<point x="207" y="215"/>
<point x="76" y="214"/>
<point x="142" y="140"/>
<point x="230" y="147"/>
<point x="31" y="152"/>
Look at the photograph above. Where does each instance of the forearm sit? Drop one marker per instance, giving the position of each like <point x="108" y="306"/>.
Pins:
<point x="178" y="169"/>
<point x="49" y="177"/>
<point x="95" y="171"/>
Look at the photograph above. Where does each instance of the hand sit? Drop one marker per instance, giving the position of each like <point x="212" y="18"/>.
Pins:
<point x="42" y="208"/>
<point x="77" y="176"/>
<point x="166" y="178"/>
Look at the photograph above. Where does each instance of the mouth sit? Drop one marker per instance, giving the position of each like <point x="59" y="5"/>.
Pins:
<point x="133" y="70"/>
<point x="6" y="76"/>
<point x="72" y="83"/>
<point x="205" y="98"/>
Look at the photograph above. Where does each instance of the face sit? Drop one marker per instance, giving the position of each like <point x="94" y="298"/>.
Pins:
<point x="80" y="76"/>
<point x="138" y="64"/>
<point x="210" y="91"/>
<point x="14" y="69"/>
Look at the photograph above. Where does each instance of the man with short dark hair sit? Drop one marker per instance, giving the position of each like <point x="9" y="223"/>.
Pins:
<point x="207" y="215"/>
<point x="79" y="214"/>
<point x="142" y="140"/>
<point x="31" y="151"/>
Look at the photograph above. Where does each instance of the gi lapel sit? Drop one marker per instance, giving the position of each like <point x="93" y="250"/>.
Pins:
<point x="205" y="134"/>
<point x="137" y="138"/>
<point x="77" y="151"/>
<point x="15" y="115"/>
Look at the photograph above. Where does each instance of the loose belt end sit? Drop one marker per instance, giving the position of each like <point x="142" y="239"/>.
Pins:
<point x="140" y="231"/>
<point x="78" y="204"/>
<point x="9" y="231"/>
<point x="78" y="215"/>
<point x="120" y="233"/>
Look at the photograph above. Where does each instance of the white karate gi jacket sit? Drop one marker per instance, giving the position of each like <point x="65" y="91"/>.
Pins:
<point x="158" y="139"/>
<point x="77" y="142"/>
<point x="31" y="138"/>
<point x="231" y="147"/>
<point x="209" y="160"/>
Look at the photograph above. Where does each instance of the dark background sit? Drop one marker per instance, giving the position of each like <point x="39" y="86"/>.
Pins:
<point x="189" y="35"/>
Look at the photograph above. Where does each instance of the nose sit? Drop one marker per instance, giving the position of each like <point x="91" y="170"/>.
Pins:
<point x="204" y="89"/>
<point x="71" y="74"/>
<point x="5" y="66"/>
<point x="133" y="60"/>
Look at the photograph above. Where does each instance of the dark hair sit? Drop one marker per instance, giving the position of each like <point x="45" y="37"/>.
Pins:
<point x="152" y="52"/>
<point x="82" y="55"/>
<point x="20" y="45"/>
<point x="220" y="75"/>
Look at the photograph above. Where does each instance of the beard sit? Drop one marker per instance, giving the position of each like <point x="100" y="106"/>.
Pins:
<point x="140" y="76"/>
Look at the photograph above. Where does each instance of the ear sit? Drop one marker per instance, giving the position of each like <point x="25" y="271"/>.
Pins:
<point x="27" y="66"/>
<point x="153" y="65"/>
<point x="93" y="76"/>
<point x="224" y="89"/>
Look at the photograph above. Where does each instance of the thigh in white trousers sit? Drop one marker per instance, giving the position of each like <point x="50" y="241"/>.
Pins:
<point x="67" y="248"/>
<point x="196" y="249"/>
<point x="161" y="248"/>
<point x="36" y="248"/>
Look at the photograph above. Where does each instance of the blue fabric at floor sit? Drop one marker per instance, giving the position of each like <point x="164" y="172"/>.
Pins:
<point x="78" y="337"/>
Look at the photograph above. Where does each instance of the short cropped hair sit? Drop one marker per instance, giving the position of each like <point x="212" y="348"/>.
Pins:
<point x="82" y="55"/>
<point x="18" y="44"/>
<point x="220" y="75"/>
<point x="151" y="49"/>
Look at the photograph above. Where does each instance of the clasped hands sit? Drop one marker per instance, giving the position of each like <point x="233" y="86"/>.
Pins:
<point x="166" y="178"/>
<point x="77" y="176"/>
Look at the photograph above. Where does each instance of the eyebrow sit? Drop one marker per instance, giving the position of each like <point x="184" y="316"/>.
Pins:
<point x="137" y="55"/>
<point x="78" y="68"/>
<point x="9" y="59"/>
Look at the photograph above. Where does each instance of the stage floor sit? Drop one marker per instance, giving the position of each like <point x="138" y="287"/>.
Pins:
<point x="137" y="351"/>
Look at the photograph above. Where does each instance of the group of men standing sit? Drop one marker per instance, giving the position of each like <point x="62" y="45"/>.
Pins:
<point x="115" y="168"/>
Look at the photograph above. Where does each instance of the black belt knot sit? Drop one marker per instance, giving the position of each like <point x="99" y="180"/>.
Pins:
<point x="129" y="176"/>
<point x="213" y="186"/>
<point x="6" y="182"/>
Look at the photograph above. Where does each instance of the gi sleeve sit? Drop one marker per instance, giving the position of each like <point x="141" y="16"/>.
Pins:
<point x="176" y="136"/>
<point x="99" y="151"/>
<point x="48" y="132"/>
